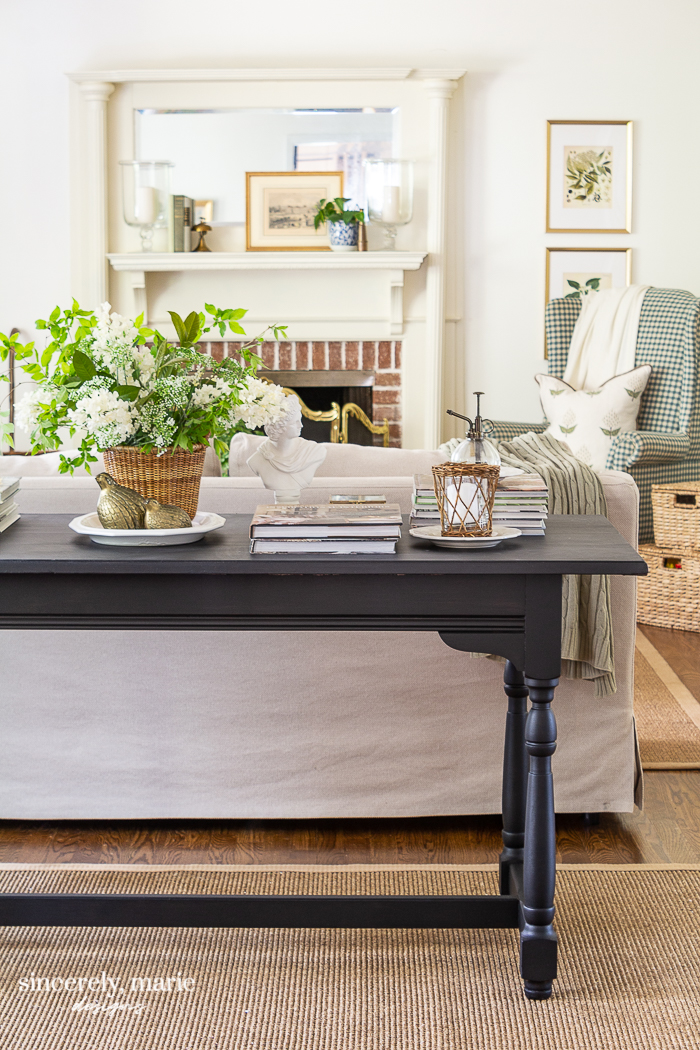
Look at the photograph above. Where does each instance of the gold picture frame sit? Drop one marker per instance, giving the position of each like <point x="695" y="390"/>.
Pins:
<point x="589" y="176"/>
<point x="280" y="206"/>
<point x="564" y="265"/>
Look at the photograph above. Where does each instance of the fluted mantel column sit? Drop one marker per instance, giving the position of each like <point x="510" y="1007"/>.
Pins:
<point x="440" y="91"/>
<point x="95" y="94"/>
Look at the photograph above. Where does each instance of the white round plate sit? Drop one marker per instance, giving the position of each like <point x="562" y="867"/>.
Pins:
<point x="432" y="533"/>
<point x="89" y="525"/>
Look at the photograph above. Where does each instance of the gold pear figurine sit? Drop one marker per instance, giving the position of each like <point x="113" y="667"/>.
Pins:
<point x="119" y="507"/>
<point x="163" y="516"/>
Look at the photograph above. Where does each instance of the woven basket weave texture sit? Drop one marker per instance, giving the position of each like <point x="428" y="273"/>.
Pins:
<point x="172" y="477"/>
<point x="677" y="514"/>
<point x="670" y="596"/>
<point x="464" y="494"/>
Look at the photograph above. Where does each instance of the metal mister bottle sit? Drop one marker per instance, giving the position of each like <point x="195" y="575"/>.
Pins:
<point x="475" y="448"/>
<point x="471" y="495"/>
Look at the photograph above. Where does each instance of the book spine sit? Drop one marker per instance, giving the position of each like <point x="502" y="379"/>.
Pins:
<point x="182" y="212"/>
<point x="177" y="223"/>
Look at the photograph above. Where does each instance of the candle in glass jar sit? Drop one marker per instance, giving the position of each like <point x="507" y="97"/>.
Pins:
<point x="146" y="204"/>
<point x="391" y="206"/>
<point x="465" y="504"/>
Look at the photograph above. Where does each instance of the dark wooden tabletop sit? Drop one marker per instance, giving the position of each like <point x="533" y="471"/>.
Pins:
<point x="587" y="544"/>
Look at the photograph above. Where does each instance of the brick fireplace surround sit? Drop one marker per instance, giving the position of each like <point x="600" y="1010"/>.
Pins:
<point x="383" y="358"/>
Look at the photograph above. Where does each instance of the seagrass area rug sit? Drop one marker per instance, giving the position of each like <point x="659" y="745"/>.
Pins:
<point x="629" y="976"/>
<point x="666" y="713"/>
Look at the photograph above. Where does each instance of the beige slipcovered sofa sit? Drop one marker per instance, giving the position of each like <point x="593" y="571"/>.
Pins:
<point x="119" y="724"/>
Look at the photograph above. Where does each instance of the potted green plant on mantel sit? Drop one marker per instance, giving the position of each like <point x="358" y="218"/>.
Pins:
<point x="343" y="225"/>
<point x="150" y="405"/>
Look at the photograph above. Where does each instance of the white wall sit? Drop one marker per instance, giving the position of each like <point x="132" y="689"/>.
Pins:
<point x="607" y="59"/>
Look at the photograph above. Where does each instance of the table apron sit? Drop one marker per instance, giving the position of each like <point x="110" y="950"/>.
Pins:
<point x="264" y="602"/>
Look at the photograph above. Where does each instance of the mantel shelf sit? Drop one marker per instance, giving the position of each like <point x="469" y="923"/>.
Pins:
<point x="164" y="262"/>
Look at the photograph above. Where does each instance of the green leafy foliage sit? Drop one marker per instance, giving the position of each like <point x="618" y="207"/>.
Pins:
<point x="582" y="290"/>
<point x="334" y="211"/>
<point x="71" y="359"/>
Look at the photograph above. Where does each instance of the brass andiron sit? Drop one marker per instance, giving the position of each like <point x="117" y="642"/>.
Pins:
<point x="119" y="507"/>
<point x="202" y="229"/>
<point x="351" y="409"/>
<point x="163" y="516"/>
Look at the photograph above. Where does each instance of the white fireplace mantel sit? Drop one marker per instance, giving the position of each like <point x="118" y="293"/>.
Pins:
<point x="343" y="284"/>
<point x="392" y="264"/>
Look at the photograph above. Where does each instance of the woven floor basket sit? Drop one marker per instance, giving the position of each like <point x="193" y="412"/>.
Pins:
<point x="670" y="595"/>
<point x="676" y="510"/>
<point x="171" y="478"/>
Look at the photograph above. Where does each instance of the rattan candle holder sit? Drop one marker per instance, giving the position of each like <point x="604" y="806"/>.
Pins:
<point x="464" y="493"/>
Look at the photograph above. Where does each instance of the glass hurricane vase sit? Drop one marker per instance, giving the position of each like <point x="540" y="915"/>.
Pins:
<point x="146" y="196"/>
<point x="389" y="190"/>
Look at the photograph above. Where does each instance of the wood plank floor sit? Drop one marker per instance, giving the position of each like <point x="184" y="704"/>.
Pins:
<point x="667" y="831"/>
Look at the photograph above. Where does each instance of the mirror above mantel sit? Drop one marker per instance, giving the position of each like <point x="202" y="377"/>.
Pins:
<point x="301" y="115"/>
<point x="212" y="149"/>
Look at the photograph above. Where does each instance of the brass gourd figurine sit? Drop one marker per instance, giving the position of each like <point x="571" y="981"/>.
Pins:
<point x="119" y="507"/>
<point x="202" y="229"/>
<point x="163" y="516"/>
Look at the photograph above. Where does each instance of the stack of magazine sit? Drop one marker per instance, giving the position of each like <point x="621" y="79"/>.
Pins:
<point x="521" y="502"/>
<point x="325" y="528"/>
<point x="424" y="507"/>
<point x="9" y="511"/>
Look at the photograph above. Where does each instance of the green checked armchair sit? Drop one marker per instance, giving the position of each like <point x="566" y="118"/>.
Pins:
<point x="666" y="447"/>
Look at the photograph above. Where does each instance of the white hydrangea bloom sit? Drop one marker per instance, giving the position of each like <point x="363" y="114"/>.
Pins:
<point x="106" y="416"/>
<point x="205" y="396"/>
<point x="27" y="411"/>
<point x="113" y="328"/>
<point x="261" y="403"/>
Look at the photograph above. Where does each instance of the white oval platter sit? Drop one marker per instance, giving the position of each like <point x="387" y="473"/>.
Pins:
<point x="433" y="534"/>
<point x="89" y="525"/>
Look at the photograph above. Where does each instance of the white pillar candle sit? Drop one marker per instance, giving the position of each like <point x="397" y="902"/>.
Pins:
<point x="146" y="204"/>
<point x="391" y="206"/>
<point x="465" y="505"/>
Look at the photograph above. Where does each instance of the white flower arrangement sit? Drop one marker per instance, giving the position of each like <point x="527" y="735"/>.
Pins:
<point x="114" y="382"/>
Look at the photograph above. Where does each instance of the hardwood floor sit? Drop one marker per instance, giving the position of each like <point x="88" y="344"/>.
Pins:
<point x="667" y="831"/>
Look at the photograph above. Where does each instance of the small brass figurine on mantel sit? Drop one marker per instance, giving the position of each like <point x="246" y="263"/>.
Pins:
<point x="202" y="229"/>
<point x="119" y="507"/>
<point x="163" y="516"/>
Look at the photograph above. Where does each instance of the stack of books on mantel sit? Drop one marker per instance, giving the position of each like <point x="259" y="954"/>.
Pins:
<point x="324" y="528"/>
<point x="521" y="502"/>
<point x="9" y="511"/>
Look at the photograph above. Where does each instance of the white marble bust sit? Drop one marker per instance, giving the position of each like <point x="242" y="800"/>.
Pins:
<point x="286" y="462"/>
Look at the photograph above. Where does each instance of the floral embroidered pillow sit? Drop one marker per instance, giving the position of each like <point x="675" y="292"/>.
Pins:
<point x="589" y="420"/>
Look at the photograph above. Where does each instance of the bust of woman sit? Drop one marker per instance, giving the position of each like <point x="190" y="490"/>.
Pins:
<point x="286" y="462"/>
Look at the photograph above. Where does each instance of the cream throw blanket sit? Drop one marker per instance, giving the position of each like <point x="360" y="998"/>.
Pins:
<point x="586" y="636"/>
<point x="604" y="339"/>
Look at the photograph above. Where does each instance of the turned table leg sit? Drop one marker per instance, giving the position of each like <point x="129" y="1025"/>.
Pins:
<point x="514" y="775"/>
<point x="538" y="941"/>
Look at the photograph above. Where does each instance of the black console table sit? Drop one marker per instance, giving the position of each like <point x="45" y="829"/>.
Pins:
<point x="505" y="601"/>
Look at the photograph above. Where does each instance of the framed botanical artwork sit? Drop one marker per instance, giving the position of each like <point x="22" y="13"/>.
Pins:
<point x="589" y="176"/>
<point x="574" y="273"/>
<point x="280" y="209"/>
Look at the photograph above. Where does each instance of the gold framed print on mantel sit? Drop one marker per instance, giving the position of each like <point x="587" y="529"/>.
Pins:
<point x="589" y="176"/>
<point x="280" y="209"/>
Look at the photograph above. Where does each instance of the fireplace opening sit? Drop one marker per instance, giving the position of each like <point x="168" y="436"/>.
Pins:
<point x="319" y="389"/>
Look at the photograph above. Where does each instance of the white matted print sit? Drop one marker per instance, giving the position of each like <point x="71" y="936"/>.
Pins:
<point x="589" y="176"/>
<point x="280" y="209"/>
<point x="576" y="273"/>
